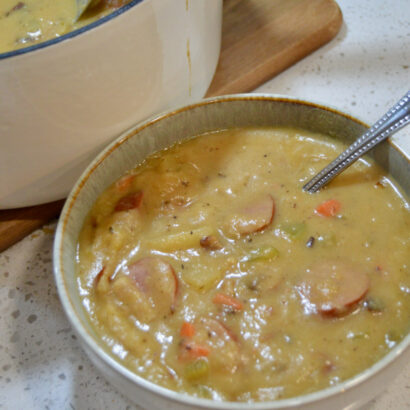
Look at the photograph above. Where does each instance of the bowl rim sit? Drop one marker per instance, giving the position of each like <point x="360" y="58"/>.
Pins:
<point x="183" y="398"/>
<point x="70" y="34"/>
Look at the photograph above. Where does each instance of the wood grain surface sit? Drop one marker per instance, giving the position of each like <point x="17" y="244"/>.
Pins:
<point x="260" y="38"/>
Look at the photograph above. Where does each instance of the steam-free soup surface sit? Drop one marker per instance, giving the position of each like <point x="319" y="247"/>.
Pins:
<point x="27" y="22"/>
<point x="207" y="269"/>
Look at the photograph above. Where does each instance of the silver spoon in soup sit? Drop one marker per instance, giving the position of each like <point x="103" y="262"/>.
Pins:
<point x="395" y="119"/>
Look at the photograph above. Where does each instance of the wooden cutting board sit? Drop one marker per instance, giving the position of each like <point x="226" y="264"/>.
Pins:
<point x="260" y="38"/>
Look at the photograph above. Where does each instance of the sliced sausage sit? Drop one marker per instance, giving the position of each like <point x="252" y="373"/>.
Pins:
<point x="253" y="217"/>
<point x="130" y="201"/>
<point x="333" y="287"/>
<point x="149" y="290"/>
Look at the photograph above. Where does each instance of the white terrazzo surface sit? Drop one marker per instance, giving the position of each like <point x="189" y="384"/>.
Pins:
<point x="364" y="71"/>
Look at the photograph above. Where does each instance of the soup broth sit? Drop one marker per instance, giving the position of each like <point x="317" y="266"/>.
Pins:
<point x="207" y="270"/>
<point x="24" y="23"/>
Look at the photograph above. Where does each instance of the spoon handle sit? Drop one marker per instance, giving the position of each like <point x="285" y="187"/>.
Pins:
<point x="396" y="118"/>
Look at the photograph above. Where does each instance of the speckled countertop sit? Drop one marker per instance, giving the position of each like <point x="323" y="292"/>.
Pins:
<point x="364" y="70"/>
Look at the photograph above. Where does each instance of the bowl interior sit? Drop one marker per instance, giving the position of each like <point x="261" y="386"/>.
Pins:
<point x="163" y="131"/>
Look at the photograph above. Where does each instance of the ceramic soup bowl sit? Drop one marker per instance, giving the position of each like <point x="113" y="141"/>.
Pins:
<point x="160" y="132"/>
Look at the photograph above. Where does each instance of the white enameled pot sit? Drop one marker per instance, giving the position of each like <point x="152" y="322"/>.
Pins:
<point x="63" y="100"/>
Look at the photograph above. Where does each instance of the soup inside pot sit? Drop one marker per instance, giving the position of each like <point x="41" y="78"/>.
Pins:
<point x="24" y="23"/>
<point x="207" y="270"/>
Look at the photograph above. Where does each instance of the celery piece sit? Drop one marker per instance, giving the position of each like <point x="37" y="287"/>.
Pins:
<point x="394" y="336"/>
<point x="293" y="231"/>
<point x="264" y="253"/>
<point x="358" y="335"/>
<point x="374" y="304"/>
<point x="196" y="369"/>
<point x="327" y="240"/>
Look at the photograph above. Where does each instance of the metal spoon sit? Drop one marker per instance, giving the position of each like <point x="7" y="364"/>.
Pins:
<point x="83" y="5"/>
<point x="395" y="119"/>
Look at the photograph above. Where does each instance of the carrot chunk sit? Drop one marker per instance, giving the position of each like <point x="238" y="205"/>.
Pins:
<point x="191" y="351"/>
<point x="187" y="329"/>
<point x="199" y="351"/>
<point x="197" y="369"/>
<point x="329" y="208"/>
<point x="222" y="299"/>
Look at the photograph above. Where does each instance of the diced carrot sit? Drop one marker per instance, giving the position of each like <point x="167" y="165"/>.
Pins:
<point x="222" y="299"/>
<point x="199" y="351"/>
<point x="187" y="329"/>
<point x="329" y="208"/>
<point x="191" y="351"/>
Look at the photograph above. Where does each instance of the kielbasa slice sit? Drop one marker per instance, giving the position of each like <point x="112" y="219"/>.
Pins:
<point x="333" y="287"/>
<point x="149" y="290"/>
<point x="253" y="217"/>
<point x="130" y="201"/>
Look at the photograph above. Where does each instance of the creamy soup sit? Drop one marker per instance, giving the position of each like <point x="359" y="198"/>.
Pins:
<point x="27" y="22"/>
<point x="207" y="270"/>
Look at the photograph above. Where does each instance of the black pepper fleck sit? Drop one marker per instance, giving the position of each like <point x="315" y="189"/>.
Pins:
<point x="310" y="242"/>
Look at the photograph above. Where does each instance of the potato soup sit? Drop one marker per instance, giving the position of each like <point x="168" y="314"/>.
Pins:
<point x="24" y="23"/>
<point x="207" y="270"/>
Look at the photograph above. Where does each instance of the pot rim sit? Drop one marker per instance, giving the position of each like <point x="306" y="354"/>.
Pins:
<point x="70" y="34"/>
<point x="165" y="393"/>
